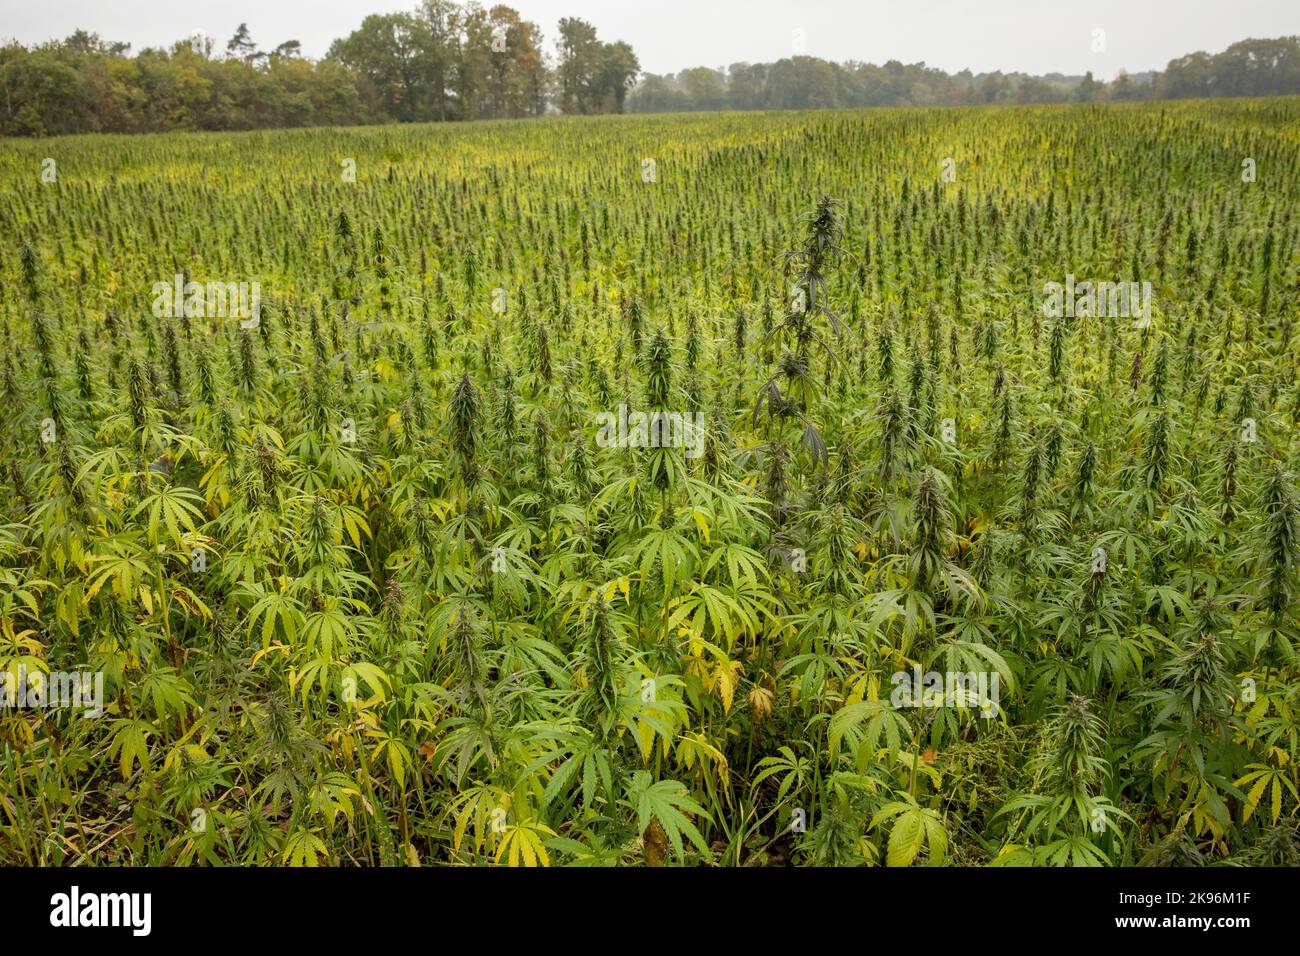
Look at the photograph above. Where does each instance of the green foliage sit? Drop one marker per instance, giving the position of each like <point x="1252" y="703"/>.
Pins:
<point x="367" y="585"/>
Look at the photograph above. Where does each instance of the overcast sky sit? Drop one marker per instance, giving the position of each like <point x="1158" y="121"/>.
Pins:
<point x="1034" y="36"/>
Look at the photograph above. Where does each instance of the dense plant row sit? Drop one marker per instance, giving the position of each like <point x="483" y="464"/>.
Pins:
<point x="365" y="587"/>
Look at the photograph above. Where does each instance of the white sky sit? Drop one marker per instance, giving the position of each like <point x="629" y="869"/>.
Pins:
<point x="1034" y="36"/>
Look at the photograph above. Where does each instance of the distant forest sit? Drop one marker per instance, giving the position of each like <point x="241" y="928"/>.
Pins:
<point x="1247" y="68"/>
<point x="446" y="61"/>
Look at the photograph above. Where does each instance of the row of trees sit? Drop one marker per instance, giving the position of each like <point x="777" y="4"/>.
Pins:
<point x="1247" y="68"/>
<point x="447" y="61"/>
<point x="444" y="61"/>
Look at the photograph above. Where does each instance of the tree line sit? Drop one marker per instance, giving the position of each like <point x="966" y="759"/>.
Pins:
<point x="1247" y="68"/>
<point x="442" y="61"/>
<point x="446" y="61"/>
